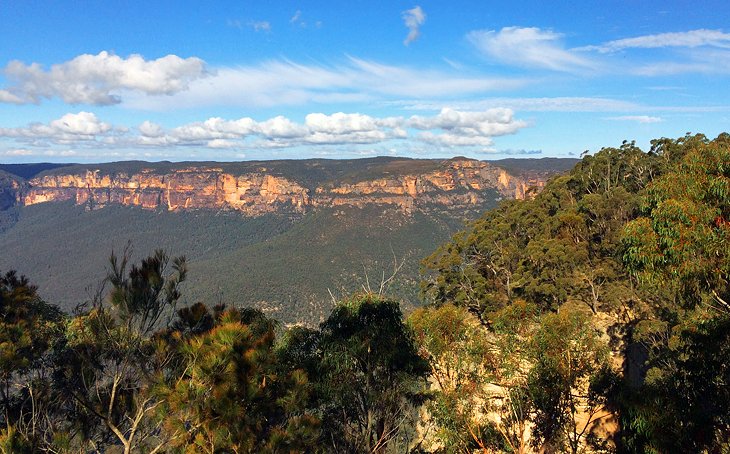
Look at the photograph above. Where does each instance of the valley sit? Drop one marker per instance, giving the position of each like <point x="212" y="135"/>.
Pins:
<point x="278" y="235"/>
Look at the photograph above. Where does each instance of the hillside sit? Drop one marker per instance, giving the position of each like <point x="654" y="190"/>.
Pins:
<point x="280" y="235"/>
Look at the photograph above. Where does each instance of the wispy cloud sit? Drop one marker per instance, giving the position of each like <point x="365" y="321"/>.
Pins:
<point x="644" y="119"/>
<point x="99" y="79"/>
<point x="554" y="104"/>
<point x="286" y="83"/>
<point x="413" y="19"/>
<point x="529" y="47"/>
<point x="692" y="38"/>
<point x="701" y="61"/>
<point x="298" y="19"/>
<point x="105" y="79"/>
<point x="261" y="26"/>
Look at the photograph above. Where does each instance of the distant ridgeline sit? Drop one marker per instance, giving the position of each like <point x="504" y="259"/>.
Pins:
<point x="255" y="188"/>
<point x="279" y="235"/>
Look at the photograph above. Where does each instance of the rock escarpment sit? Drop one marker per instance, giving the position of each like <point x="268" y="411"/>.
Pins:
<point x="256" y="190"/>
<point x="187" y="188"/>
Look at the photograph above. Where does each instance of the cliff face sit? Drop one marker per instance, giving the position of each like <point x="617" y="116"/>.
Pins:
<point x="9" y="186"/>
<point x="453" y="184"/>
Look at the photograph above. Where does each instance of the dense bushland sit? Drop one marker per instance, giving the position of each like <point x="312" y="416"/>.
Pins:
<point x="593" y="317"/>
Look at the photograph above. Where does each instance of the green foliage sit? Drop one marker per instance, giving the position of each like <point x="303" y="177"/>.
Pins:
<point x="281" y="263"/>
<point x="229" y="396"/>
<point x="613" y="237"/>
<point x="548" y="371"/>
<point x="567" y="356"/>
<point x="560" y="246"/>
<point x="686" y="229"/>
<point x="627" y="256"/>
<point x="681" y="244"/>
<point x="462" y="364"/>
<point x="29" y="328"/>
<point x="371" y="374"/>
<point x="12" y="442"/>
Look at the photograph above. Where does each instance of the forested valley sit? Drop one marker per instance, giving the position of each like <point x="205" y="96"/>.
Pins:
<point x="591" y="317"/>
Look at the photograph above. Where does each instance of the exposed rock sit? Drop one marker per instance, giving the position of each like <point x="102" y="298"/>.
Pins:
<point x="454" y="183"/>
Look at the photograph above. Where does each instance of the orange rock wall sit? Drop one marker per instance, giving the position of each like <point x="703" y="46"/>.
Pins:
<point x="460" y="182"/>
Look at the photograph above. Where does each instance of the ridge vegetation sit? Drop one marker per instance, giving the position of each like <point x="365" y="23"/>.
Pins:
<point x="593" y="317"/>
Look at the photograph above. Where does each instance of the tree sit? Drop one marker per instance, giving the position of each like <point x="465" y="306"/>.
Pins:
<point x="464" y="364"/>
<point x="109" y="363"/>
<point x="568" y="358"/>
<point x="371" y="378"/>
<point x="29" y="328"/>
<point x="680" y="245"/>
<point x="230" y="397"/>
<point x="561" y="246"/>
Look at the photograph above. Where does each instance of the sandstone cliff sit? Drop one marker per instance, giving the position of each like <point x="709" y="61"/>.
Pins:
<point x="255" y="190"/>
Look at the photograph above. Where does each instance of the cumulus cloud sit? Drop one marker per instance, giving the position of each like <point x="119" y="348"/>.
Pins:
<point x="71" y="128"/>
<point x="281" y="127"/>
<point x="149" y="129"/>
<point x="692" y="38"/>
<point x="448" y="128"/>
<point x="493" y="122"/>
<point x="342" y="123"/>
<point x="529" y="47"/>
<point x="10" y="98"/>
<point x="637" y="118"/>
<point x="99" y="79"/>
<point x="413" y="19"/>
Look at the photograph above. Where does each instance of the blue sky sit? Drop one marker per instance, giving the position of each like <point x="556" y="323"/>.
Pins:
<point x="90" y="81"/>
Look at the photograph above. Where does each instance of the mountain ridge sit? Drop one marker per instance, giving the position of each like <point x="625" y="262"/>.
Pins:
<point x="258" y="187"/>
<point x="263" y="251"/>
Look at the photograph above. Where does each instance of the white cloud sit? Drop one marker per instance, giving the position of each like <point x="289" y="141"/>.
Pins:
<point x="281" y="128"/>
<point x="556" y="104"/>
<point x="261" y="26"/>
<point x="10" y="98"/>
<point x="454" y="140"/>
<point x="493" y="122"/>
<point x="149" y="129"/>
<point x="529" y="47"/>
<point x="71" y="128"/>
<point x="99" y="79"/>
<point x="82" y="123"/>
<point x="18" y="152"/>
<point x="295" y="18"/>
<point x="283" y="82"/>
<point x="644" y="119"/>
<point x="704" y="61"/>
<point x="221" y="143"/>
<point x="413" y="19"/>
<point x="342" y="123"/>
<point x="692" y="38"/>
<point x="449" y="128"/>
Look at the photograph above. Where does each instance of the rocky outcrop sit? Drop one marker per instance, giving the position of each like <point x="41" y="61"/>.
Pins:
<point x="452" y="183"/>
<point x="189" y="188"/>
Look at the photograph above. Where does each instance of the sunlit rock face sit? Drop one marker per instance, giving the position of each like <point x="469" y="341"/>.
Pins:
<point x="452" y="183"/>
